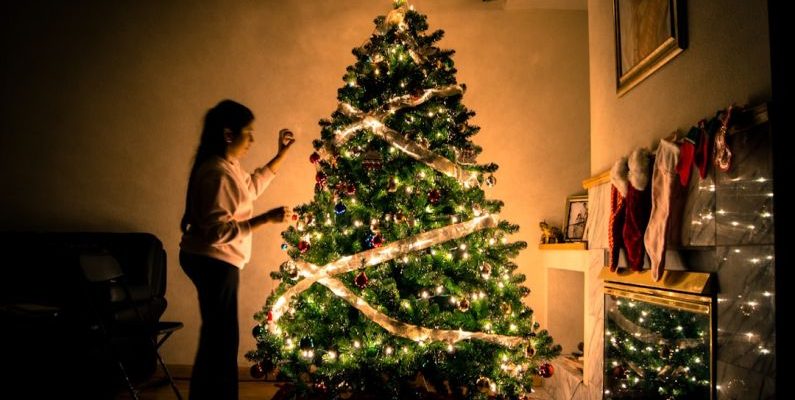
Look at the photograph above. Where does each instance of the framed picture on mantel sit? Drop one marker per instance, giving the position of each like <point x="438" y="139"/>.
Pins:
<point x="575" y="218"/>
<point x="649" y="33"/>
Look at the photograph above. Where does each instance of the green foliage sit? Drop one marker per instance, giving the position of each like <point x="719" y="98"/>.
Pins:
<point x="366" y="189"/>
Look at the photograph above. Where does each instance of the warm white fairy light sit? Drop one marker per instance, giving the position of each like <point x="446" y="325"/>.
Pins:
<point x="357" y="344"/>
<point x="374" y="122"/>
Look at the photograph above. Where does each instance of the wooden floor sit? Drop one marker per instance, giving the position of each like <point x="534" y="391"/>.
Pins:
<point x="159" y="389"/>
<point x="249" y="390"/>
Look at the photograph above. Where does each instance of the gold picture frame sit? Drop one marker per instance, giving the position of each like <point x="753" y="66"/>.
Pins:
<point x="648" y="34"/>
<point x="575" y="218"/>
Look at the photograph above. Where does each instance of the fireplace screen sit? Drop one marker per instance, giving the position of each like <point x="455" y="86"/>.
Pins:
<point x="658" y="344"/>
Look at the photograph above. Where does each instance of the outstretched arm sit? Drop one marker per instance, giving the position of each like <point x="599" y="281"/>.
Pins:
<point x="286" y="140"/>
<point x="274" y="216"/>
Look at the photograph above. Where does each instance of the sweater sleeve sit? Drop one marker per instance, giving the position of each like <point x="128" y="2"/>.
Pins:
<point x="218" y="197"/>
<point x="260" y="179"/>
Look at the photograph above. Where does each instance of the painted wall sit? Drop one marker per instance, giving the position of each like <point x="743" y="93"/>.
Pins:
<point x="727" y="61"/>
<point x="102" y="105"/>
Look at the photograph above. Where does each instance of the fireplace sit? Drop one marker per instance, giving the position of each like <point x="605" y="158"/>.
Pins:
<point x="658" y="344"/>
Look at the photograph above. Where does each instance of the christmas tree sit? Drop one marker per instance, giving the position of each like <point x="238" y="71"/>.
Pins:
<point x="400" y="276"/>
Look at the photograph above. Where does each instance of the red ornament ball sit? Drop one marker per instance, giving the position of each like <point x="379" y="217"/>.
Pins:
<point x="303" y="246"/>
<point x="546" y="370"/>
<point x="320" y="178"/>
<point x="434" y="196"/>
<point x="377" y="241"/>
<point x="618" y="372"/>
<point x="314" y="158"/>
<point x="361" y="280"/>
<point x="257" y="372"/>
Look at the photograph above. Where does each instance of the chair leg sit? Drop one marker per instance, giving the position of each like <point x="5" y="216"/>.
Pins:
<point x="130" y="387"/>
<point x="154" y="346"/>
<point x="168" y="375"/>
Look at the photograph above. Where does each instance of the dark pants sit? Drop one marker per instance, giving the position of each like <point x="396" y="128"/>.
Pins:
<point x="214" y="375"/>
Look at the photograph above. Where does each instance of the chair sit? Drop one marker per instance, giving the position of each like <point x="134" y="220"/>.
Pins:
<point x="118" y="317"/>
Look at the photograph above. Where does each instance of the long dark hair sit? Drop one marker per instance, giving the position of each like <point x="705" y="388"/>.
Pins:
<point x="226" y="115"/>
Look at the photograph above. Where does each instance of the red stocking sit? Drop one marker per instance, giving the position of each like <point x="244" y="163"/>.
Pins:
<point x="618" y="189"/>
<point x="638" y="208"/>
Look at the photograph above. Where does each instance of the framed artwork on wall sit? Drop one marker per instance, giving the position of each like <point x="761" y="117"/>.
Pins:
<point x="649" y="33"/>
<point x="575" y="218"/>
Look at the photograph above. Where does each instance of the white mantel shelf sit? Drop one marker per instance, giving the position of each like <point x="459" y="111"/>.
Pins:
<point x="570" y="256"/>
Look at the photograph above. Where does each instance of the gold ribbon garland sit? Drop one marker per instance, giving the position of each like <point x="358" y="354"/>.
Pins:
<point x="409" y="331"/>
<point x="324" y="275"/>
<point x="374" y="122"/>
<point x="312" y="273"/>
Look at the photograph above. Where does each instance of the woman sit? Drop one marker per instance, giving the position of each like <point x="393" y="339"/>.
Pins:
<point x="216" y="238"/>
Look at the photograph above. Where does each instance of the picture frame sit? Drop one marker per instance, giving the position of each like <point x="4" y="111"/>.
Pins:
<point x="648" y="34"/>
<point x="575" y="218"/>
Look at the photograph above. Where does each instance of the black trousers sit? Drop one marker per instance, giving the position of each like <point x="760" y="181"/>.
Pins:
<point x="214" y="375"/>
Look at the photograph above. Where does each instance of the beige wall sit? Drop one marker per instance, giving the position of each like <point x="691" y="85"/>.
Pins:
<point x="727" y="61"/>
<point x="101" y="110"/>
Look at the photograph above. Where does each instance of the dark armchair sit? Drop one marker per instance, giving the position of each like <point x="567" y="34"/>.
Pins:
<point x="49" y="310"/>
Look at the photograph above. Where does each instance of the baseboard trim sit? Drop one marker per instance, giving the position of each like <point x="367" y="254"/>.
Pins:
<point x="183" y="371"/>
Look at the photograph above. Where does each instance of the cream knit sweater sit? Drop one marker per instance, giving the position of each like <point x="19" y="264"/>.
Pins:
<point x="220" y="206"/>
